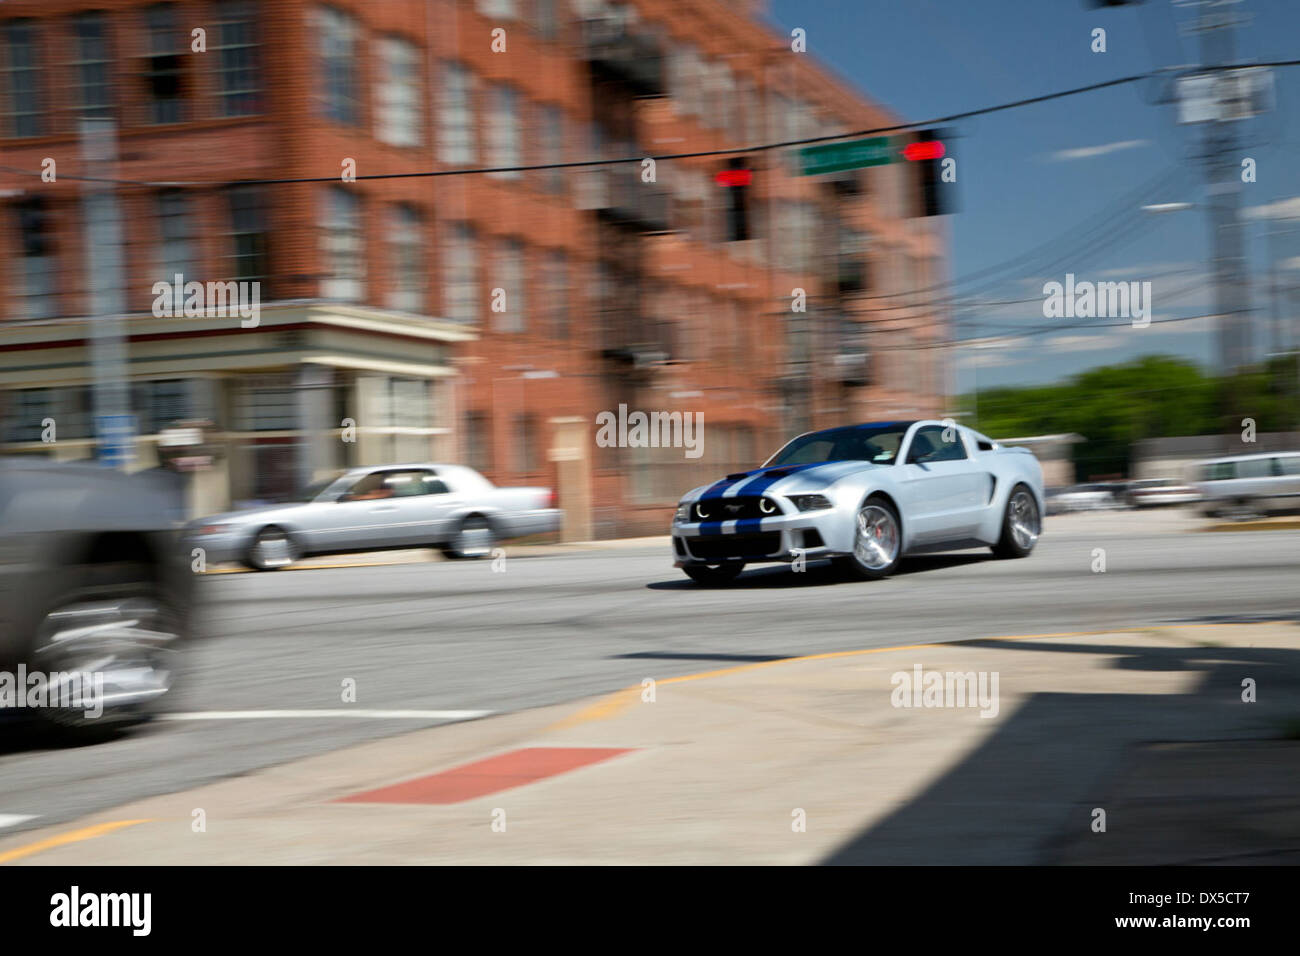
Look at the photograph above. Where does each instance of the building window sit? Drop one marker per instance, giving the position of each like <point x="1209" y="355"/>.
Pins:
<point x="175" y="237"/>
<point x="398" y="114"/>
<point x="460" y="271"/>
<point x="503" y="130"/>
<point x="553" y="149"/>
<point x="34" y="268"/>
<point x="478" y="441"/>
<point x="525" y="445"/>
<point x="23" y="105"/>
<point x="456" y="133"/>
<point x="26" y="409"/>
<point x="337" y="35"/>
<point x="90" y="66"/>
<point x="555" y="294"/>
<point x="502" y="9"/>
<point x="162" y="70"/>
<point x="510" y="278"/>
<point x="546" y="17"/>
<point x="406" y="290"/>
<point x="239" y="85"/>
<point x="248" y="234"/>
<point x="342" y="249"/>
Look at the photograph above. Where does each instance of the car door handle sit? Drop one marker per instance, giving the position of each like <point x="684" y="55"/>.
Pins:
<point x="383" y="508"/>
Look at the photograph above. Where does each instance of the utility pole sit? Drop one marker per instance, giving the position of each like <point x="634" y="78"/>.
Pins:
<point x="1223" y="187"/>
<point x="114" y="423"/>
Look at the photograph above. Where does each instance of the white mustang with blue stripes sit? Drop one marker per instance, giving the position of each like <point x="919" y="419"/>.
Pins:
<point x="864" y="496"/>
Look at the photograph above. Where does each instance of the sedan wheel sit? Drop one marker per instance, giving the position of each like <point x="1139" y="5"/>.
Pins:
<point x="272" y="548"/>
<point x="1021" y="525"/>
<point x="474" y="539"/>
<point x="877" y="541"/>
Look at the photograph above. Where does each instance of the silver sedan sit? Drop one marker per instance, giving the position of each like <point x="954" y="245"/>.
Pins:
<point x="448" y="507"/>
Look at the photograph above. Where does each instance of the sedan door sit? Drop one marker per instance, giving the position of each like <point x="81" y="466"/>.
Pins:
<point x="943" y="489"/>
<point x="425" y="505"/>
<point x="365" y="516"/>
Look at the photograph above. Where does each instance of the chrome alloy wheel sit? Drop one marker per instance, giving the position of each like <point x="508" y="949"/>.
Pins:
<point x="875" y="544"/>
<point x="475" y="538"/>
<point x="1025" y="522"/>
<point x="128" y="643"/>
<point x="273" y="549"/>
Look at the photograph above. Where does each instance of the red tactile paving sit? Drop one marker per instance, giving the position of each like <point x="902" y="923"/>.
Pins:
<point x="492" y="775"/>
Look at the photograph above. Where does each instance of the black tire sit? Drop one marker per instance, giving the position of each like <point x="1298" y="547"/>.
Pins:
<point x="1022" y="524"/>
<point x="475" y="538"/>
<point x="267" y="541"/>
<point x="125" y="600"/>
<point x="881" y="550"/>
<point x="714" y="575"/>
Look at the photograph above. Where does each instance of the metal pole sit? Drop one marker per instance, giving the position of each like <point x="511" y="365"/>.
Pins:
<point x="114" y="423"/>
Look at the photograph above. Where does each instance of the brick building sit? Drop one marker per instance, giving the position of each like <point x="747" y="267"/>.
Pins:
<point x="485" y="317"/>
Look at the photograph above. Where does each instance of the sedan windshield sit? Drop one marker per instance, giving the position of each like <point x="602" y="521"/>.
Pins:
<point x="315" y="489"/>
<point x="873" y="443"/>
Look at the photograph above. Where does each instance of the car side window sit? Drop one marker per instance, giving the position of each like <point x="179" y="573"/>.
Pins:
<point x="408" y="484"/>
<point x="929" y="444"/>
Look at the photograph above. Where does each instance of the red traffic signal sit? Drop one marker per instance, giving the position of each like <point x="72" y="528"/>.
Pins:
<point x="925" y="149"/>
<point x="734" y="177"/>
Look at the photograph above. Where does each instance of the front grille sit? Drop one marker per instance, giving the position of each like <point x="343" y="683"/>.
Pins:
<point x="732" y="509"/>
<point x="719" y="547"/>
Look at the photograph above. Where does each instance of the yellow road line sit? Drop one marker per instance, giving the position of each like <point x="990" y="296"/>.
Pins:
<point x="63" y="839"/>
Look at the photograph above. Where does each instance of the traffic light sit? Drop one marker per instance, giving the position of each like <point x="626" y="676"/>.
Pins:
<point x="736" y="177"/>
<point x="928" y="151"/>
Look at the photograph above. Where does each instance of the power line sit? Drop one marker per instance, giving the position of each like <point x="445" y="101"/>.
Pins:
<point x="698" y="154"/>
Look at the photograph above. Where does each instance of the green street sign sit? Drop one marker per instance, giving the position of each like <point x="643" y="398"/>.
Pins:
<point x="835" y="157"/>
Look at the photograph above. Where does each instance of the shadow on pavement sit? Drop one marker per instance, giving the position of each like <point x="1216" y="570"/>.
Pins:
<point x="1027" y="795"/>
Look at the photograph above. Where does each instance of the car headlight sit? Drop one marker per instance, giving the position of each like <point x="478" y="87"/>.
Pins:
<point x="811" y="502"/>
<point x="683" y="514"/>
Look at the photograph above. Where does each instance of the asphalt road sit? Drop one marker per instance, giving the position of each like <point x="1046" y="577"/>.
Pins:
<point x="445" y="636"/>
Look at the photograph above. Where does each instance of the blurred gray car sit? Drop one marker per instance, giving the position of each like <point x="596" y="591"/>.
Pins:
<point x="93" y="581"/>
<point x="448" y="507"/>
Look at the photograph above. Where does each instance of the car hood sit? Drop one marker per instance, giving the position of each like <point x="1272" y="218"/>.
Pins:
<point x="260" y="513"/>
<point x="781" y="479"/>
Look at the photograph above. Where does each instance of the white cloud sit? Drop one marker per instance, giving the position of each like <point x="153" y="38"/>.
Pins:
<point x="1083" y="343"/>
<point x="1282" y="209"/>
<point x="1088" y="152"/>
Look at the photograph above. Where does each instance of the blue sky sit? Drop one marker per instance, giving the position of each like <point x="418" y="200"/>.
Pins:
<point x="1029" y="178"/>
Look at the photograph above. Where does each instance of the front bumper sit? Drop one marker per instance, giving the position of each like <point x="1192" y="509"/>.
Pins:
<point x="781" y="538"/>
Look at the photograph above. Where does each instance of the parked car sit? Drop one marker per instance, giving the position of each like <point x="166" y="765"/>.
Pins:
<point x="864" y="496"/>
<point x="1242" y="486"/>
<point x="1094" y="497"/>
<point x="1158" y="493"/>
<point x="448" y="507"/>
<point x="94" y="582"/>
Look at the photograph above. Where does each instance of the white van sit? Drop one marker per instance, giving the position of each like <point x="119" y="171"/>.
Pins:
<point x="1246" y="485"/>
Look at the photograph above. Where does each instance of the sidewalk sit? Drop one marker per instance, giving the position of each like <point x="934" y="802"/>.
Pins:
<point x="1148" y="726"/>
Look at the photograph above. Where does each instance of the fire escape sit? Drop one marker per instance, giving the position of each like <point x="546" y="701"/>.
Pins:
<point x="625" y="67"/>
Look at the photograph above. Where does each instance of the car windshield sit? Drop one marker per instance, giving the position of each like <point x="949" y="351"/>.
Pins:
<point x="314" y="490"/>
<point x="873" y="443"/>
